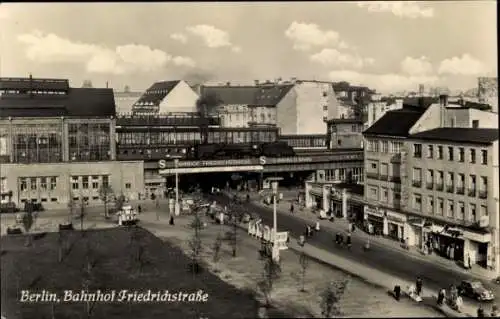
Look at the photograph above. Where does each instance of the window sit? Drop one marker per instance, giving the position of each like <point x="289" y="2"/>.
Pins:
<point x="417" y="202"/>
<point x="430" y="151"/>
<point x="375" y="146"/>
<point x="325" y="107"/>
<point x="85" y="199"/>
<point x="24" y="184"/>
<point x="461" y="154"/>
<point x="95" y="197"/>
<point x="373" y="192"/>
<point x="473" y="156"/>
<point x="396" y="147"/>
<point x="128" y="185"/>
<point x="385" y="147"/>
<point x="53" y="183"/>
<point x="430" y="204"/>
<point x="440" y="206"/>
<point x="475" y="123"/>
<point x="374" y="166"/>
<point x="484" y="210"/>
<point x="450" y="178"/>
<point x="43" y="183"/>
<point x="472" y="212"/>
<point x="484" y="157"/>
<point x="74" y="182"/>
<point x="450" y="153"/>
<point x="417" y="150"/>
<point x="385" y="194"/>
<point x="461" y="211"/>
<point x="430" y="176"/>
<point x="105" y="180"/>
<point x="440" y="152"/>
<point x="33" y="183"/>
<point x="85" y="182"/>
<point x="339" y="142"/>
<point x="354" y="128"/>
<point x="450" y="210"/>
<point x="417" y="174"/>
<point x="472" y="184"/>
<point x="53" y="199"/>
<point x="95" y="184"/>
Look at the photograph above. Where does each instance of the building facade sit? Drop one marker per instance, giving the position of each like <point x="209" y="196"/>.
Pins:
<point x="432" y="181"/>
<point x="345" y="133"/>
<point x="166" y="97"/>
<point x="51" y="133"/>
<point x="125" y="100"/>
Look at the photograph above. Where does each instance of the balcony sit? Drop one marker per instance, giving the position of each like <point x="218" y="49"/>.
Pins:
<point x="460" y="190"/>
<point x="395" y="179"/>
<point x="439" y="187"/>
<point x="372" y="175"/>
<point x="450" y="188"/>
<point x="429" y="185"/>
<point x="472" y="192"/>
<point x="384" y="177"/>
<point x="483" y="194"/>
<point x="416" y="183"/>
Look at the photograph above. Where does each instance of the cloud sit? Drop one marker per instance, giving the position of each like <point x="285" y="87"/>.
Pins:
<point x="179" y="37"/>
<point x="213" y="37"/>
<point x="418" y="66"/>
<point x="50" y="48"/>
<point x="305" y="36"/>
<point x="384" y="83"/>
<point x="184" y="61"/>
<point x="335" y="58"/>
<point x="4" y="14"/>
<point x="464" y="65"/>
<point x="402" y="9"/>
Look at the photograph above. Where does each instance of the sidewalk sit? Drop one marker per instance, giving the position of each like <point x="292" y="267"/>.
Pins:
<point x="342" y="224"/>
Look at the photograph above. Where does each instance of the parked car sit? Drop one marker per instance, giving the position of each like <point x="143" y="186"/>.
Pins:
<point x="8" y="208"/>
<point x="475" y="290"/>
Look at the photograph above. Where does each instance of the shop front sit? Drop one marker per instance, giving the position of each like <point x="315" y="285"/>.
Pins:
<point x="446" y="241"/>
<point x="395" y="225"/>
<point x="478" y="248"/>
<point x="374" y="220"/>
<point x="355" y="212"/>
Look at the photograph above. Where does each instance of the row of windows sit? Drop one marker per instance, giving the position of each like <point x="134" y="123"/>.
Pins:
<point x="438" y="153"/>
<point x="306" y="141"/>
<point x="453" y="209"/>
<point x="343" y="174"/>
<point x="393" y="147"/>
<point x="86" y="182"/>
<point x="41" y="183"/>
<point x="373" y="193"/>
<point x="450" y="179"/>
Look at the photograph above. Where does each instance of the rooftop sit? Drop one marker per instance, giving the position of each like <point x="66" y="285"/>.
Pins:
<point x="395" y="123"/>
<point x="461" y="135"/>
<point x="262" y="95"/>
<point x="156" y="93"/>
<point x="345" y="121"/>
<point x="79" y="102"/>
<point x="34" y="84"/>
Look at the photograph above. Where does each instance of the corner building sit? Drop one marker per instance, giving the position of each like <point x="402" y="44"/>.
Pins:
<point x="435" y="170"/>
<point x="58" y="143"/>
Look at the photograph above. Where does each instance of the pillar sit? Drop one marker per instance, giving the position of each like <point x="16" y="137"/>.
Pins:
<point x="326" y="198"/>
<point x="112" y="138"/>
<point x="344" y="203"/>
<point x="308" y="195"/>
<point x="385" y="228"/>
<point x="10" y="141"/>
<point x="467" y="251"/>
<point x="64" y="140"/>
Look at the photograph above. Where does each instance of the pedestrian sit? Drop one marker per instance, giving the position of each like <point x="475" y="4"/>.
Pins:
<point x="353" y="227"/>
<point x="458" y="303"/>
<point x="418" y="284"/>
<point x="348" y="241"/>
<point x="291" y="208"/>
<point x="441" y="296"/>
<point x="139" y="209"/>
<point x="397" y="292"/>
<point x="480" y="312"/>
<point x="316" y="227"/>
<point x="248" y="198"/>
<point x="494" y="311"/>
<point x="171" y="222"/>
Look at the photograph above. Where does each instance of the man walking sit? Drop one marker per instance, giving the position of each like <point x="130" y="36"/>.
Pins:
<point x="291" y="208"/>
<point x="419" y="286"/>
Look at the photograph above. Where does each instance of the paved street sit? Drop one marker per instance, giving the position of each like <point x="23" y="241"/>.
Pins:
<point x="389" y="261"/>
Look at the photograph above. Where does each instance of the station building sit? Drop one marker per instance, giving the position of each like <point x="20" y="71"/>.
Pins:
<point x="58" y="143"/>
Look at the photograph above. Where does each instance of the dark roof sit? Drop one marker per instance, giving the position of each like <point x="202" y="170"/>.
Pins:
<point x="34" y="84"/>
<point x="458" y="134"/>
<point x="268" y="95"/>
<point x="395" y="123"/>
<point x="421" y="102"/>
<point x="80" y="102"/>
<point x="157" y="92"/>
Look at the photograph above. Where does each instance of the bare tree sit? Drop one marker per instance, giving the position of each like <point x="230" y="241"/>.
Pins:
<point x="271" y="272"/>
<point x="106" y="194"/>
<point x="120" y="200"/>
<point x="28" y="221"/>
<point x="304" y="265"/>
<point x="195" y="243"/>
<point x="331" y="296"/>
<point x="217" y="248"/>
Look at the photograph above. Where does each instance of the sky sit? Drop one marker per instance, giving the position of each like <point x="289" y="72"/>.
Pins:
<point x="387" y="46"/>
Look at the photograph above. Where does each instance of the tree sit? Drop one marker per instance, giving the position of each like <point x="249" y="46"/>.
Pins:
<point x="304" y="265"/>
<point x="71" y="207"/>
<point x="195" y="243"/>
<point x="82" y="214"/>
<point x="120" y="200"/>
<point x="28" y="221"/>
<point x="331" y="296"/>
<point x="217" y="248"/>
<point x="271" y="272"/>
<point x="106" y="195"/>
<point x="126" y="89"/>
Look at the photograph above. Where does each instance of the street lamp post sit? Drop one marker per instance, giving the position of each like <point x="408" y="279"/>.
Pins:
<point x="274" y="185"/>
<point x="176" y="205"/>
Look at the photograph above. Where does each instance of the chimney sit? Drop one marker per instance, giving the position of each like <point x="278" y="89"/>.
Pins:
<point x="256" y="82"/>
<point x="107" y="85"/>
<point x="228" y="83"/>
<point x="443" y="100"/>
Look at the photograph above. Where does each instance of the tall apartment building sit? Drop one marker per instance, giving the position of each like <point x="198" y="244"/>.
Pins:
<point x="57" y="143"/>
<point x="432" y="180"/>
